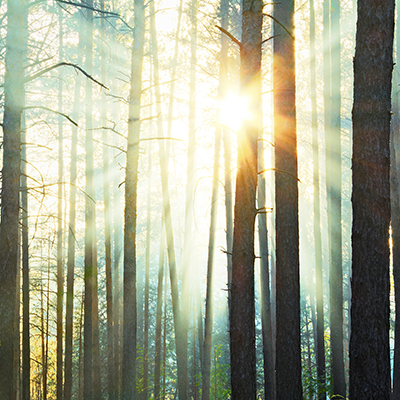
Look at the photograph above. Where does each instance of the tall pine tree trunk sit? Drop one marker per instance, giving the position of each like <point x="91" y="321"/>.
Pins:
<point x="242" y="323"/>
<point x="208" y="322"/>
<point x="395" y="210"/>
<point x="9" y="228"/>
<point x="69" y="310"/>
<point x="317" y="215"/>
<point x="132" y="160"/>
<point x="60" y="268"/>
<point x="90" y="259"/>
<point x="373" y="64"/>
<point x="334" y="190"/>
<point x="288" y="359"/>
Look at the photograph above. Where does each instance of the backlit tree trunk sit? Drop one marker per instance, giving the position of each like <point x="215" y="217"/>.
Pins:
<point x="242" y="323"/>
<point x="9" y="228"/>
<point x="373" y="64"/>
<point x="288" y="358"/>
<point x="131" y="179"/>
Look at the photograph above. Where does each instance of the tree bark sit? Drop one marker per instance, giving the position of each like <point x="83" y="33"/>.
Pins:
<point x="69" y="311"/>
<point x="60" y="268"/>
<point x="373" y="64"/>
<point x="11" y="173"/>
<point x="107" y="221"/>
<point x="334" y="190"/>
<point x="132" y="160"/>
<point x="320" y="342"/>
<point x="208" y="322"/>
<point x="160" y="294"/>
<point x="242" y="324"/>
<point x="395" y="211"/>
<point x="288" y="358"/>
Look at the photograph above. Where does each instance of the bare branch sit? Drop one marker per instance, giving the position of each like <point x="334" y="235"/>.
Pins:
<point x="272" y="37"/>
<point x="273" y="18"/>
<point x="43" y="71"/>
<point x="230" y="36"/>
<point x="53" y="111"/>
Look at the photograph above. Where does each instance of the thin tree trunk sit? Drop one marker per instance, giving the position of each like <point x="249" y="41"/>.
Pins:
<point x="265" y="295"/>
<point x="395" y="210"/>
<point x="26" y="348"/>
<point x="317" y="218"/>
<point x="132" y="160"/>
<point x="69" y="323"/>
<point x="208" y="322"/>
<point x="334" y="187"/>
<point x="80" y="374"/>
<point x="11" y="172"/>
<point x="190" y="181"/>
<point x="180" y="335"/>
<point x="147" y="282"/>
<point x="242" y="324"/>
<point x="164" y="360"/>
<point x="288" y="355"/>
<point x="107" y="221"/>
<point x="60" y="269"/>
<point x="373" y="64"/>
<point x="89" y="219"/>
<point x="157" y="361"/>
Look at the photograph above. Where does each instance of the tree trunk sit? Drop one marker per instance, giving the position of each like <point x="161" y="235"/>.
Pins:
<point x="288" y="358"/>
<point x="147" y="281"/>
<point x="132" y="160"/>
<point x="320" y="344"/>
<point x="11" y="173"/>
<point x="107" y="221"/>
<point x="395" y="211"/>
<point x="180" y="335"/>
<point x="90" y="388"/>
<point x="242" y="324"/>
<point x="26" y="348"/>
<point x="265" y="293"/>
<point x="60" y="268"/>
<point x="157" y="361"/>
<point x="208" y="322"/>
<point x="334" y="190"/>
<point x="190" y="182"/>
<point x="373" y="64"/>
<point x="69" y="323"/>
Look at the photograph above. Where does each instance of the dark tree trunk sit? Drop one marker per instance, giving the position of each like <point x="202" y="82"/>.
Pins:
<point x="242" y="323"/>
<point x="89" y="220"/>
<point x="288" y="358"/>
<point x="373" y="64"/>
<point x="317" y="216"/>
<point x="265" y="293"/>
<point x="11" y="173"/>
<point x="395" y="211"/>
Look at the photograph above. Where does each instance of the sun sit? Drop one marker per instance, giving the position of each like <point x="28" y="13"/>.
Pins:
<point x="233" y="110"/>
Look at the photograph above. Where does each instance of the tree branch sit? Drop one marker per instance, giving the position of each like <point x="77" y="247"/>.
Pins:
<point x="43" y="71"/>
<point x="53" y="111"/>
<point x="269" y="15"/>
<point x="230" y="36"/>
